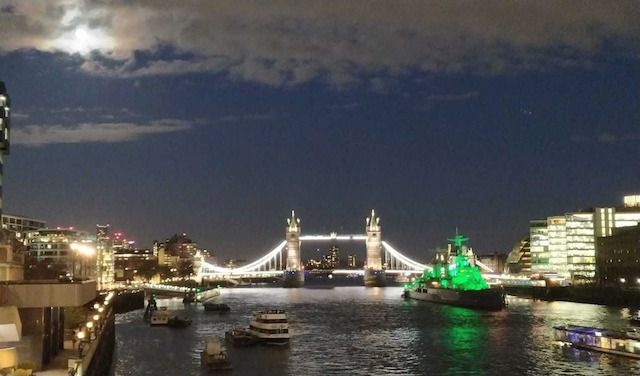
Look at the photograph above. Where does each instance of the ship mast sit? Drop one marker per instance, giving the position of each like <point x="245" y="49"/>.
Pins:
<point x="458" y="240"/>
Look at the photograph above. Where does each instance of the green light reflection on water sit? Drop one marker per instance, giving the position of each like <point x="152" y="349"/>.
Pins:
<point x="466" y="333"/>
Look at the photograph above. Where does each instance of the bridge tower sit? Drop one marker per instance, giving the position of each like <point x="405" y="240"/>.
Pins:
<point x="294" y="273"/>
<point x="374" y="275"/>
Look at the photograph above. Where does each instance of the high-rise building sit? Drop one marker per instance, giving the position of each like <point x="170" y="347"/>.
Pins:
<point x="567" y="244"/>
<point x="5" y="104"/>
<point x="60" y="253"/>
<point x="105" y="272"/>
<point x="351" y="261"/>
<point x="333" y="257"/>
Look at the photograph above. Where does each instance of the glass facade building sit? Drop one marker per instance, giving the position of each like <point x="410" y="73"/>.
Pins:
<point x="105" y="274"/>
<point x="567" y="244"/>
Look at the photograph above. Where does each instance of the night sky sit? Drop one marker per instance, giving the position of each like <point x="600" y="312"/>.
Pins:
<point x="216" y="118"/>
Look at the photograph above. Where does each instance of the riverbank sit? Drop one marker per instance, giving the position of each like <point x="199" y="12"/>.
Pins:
<point x="608" y="296"/>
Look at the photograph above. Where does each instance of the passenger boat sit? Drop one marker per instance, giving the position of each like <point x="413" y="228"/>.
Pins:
<point x="214" y="356"/>
<point x="179" y="322"/>
<point x="216" y="307"/>
<point x="455" y="279"/>
<point x="596" y="339"/>
<point x="270" y="327"/>
<point x="240" y="337"/>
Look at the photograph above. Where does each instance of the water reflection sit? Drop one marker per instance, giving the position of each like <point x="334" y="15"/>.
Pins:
<point x="372" y="331"/>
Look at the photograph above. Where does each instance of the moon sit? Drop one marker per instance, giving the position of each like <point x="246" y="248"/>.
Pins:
<point x="83" y="40"/>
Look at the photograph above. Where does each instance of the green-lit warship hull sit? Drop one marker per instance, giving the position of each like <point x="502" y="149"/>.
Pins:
<point x="455" y="279"/>
<point x="483" y="299"/>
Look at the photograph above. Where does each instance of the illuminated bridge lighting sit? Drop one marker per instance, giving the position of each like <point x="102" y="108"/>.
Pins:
<point x="249" y="267"/>
<point x="404" y="259"/>
<point x="333" y="236"/>
<point x="484" y="267"/>
<point x="265" y="266"/>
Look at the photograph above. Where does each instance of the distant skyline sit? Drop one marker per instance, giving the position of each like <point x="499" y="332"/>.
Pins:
<point x="218" y="118"/>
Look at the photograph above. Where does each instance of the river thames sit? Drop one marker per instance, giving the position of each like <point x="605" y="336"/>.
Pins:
<point x="373" y="331"/>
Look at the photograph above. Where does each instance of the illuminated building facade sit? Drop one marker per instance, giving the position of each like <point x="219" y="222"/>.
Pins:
<point x="332" y="258"/>
<point x="178" y="254"/>
<point x="519" y="259"/>
<point x="105" y="272"/>
<point x="567" y="244"/>
<point x="61" y="252"/>
<point x="539" y="245"/>
<point x="134" y="263"/>
<point x="21" y="224"/>
<point x="351" y="261"/>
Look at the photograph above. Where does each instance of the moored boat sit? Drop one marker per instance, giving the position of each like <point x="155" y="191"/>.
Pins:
<point x="270" y="327"/>
<point x="635" y="319"/>
<point x="214" y="356"/>
<point x="601" y="340"/>
<point x="240" y="337"/>
<point x="179" y="322"/>
<point x="455" y="279"/>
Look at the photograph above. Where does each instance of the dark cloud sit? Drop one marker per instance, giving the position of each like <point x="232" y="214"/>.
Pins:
<point x="295" y="41"/>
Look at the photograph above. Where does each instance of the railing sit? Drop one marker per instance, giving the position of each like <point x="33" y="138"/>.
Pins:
<point x="90" y="334"/>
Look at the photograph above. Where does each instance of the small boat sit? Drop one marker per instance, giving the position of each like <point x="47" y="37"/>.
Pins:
<point x="216" y="307"/>
<point x="270" y="327"/>
<point x="602" y="340"/>
<point x="240" y="337"/>
<point x="214" y="356"/>
<point x="635" y="319"/>
<point x="160" y="317"/>
<point x="179" y="322"/>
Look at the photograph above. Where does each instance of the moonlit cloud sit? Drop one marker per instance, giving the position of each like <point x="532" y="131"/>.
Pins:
<point x="290" y="42"/>
<point x="39" y="135"/>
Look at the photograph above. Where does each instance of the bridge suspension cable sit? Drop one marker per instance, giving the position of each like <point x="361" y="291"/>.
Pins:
<point x="271" y="258"/>
<point x="404" y="259"/>
<point x="264" y="260"/>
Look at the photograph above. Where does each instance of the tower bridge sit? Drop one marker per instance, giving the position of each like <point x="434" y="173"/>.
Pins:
<point x="285" y="259"/>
